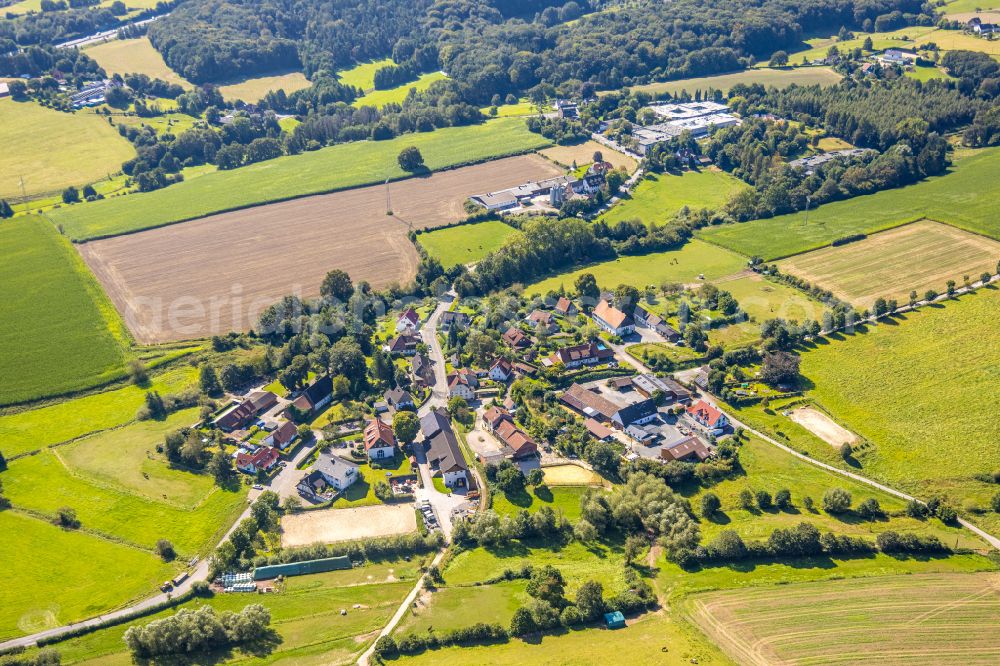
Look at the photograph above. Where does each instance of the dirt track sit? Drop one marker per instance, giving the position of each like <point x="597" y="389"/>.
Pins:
<point x="823" y="426"/>
<point x="213" y="275"/>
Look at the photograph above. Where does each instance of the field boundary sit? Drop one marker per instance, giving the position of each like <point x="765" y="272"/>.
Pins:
<point x="232" y="209"/>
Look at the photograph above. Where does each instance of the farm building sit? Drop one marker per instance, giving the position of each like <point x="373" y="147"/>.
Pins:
<point x="612" y="320"/>
<point x="655" y="322"/>
<point x="672" y="391"/>
<point x="689" y="449"/>
<point x="314" y="397"/>
<point x="614" y="620"/>
<point x="302" y="568"/>
<point x="443" y="451"/>
<point x="517" y="443"/>
<point x="240" y="414"/>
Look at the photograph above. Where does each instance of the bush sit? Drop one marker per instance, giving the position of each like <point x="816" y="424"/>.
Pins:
<point x="570" y="617"/>
<point x="66" y="517"/>
<point x="165" y="550"/>
<point x="947" y="514"/>
<point x="746" y="499"/>
<point x="386" y="647"/>
<point x="915" y="509"/>
<point x="763" y="500"/>
<point x="836" y="501"/>
<point x="710" y="504"/>
<point x="197" y="631"/>
<point x="893" y="542"/>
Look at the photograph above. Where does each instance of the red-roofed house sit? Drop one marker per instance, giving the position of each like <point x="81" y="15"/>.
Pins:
<point x="282" y="436"/>
<point x="380" y="443"/>
<point x="565" y="307"/>
<point x="501" y="370"/>
<point x="586" y="354"/>
<point x="541" y="318"/>
<point x="516" y="338"/>
<point x="500" y="423"/>
<point x="408" y="321"/>
<point x="463" y="383"/>
<point x="708" y="416"/>
<point x="262" y="460"/>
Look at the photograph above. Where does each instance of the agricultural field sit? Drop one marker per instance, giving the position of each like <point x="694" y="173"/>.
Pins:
<point x="683" y="265"/>
<point x="891" y="263"/>
<point x="658" y="197"/>
<point x="134" y="56"/>
<point x="920" y="390"/>
<point x="305" y="613"/>
<point x="294" y="176"/>
<point x="780" y="78"/>
<point x="35" y="595"/>
<point x="583" y="153"/>
<point x="937" y="618"/>
<point x="79" y="148"/>
<point x="961" y="198"/>
<point x="39" y="428"/>
<point x="59" y="333"/>
<point x="153" y="276"/>
<point x="363" y="75"/>
<point x="253" y="90"/>
<point x="971" y="8"/>
<point x="379" y="98"/>
<point x="465" y="244"/>
<point x="954" y="40"/>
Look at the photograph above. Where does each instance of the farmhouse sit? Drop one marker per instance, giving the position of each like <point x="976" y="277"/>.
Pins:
<point x="655" y="322"/>
<point x="282" y="436"/>
<point x="408" y="321"/>
<point x="565" y="307"/>
<point x="241" y="414"/>
<point x="4" y="89"/>
<point x="501" y="370"/>
<point x="380" y="443"/>
<point x="443" y="452"/>
<point x="516" y="338"/>
<point x="451" y="318"/>
<point x="262" y="460"/>
<point x="329" y="472"/>
<point x="896" y="57"/>
<point x="463" y="383"/>
<point x="612" y="320"/>
<point x="518" y="444"/>
<point x="977" y="26"/>
<point x="566" y="108"/>
<point x="587" y="353"/>
<point x="557" y="189"/>
<point x="708" y="416"/>
<point x="316" y="396"/>
<point x="621" y="408"/>
<point x="404" y="345"/>
<point x="399" y="399"/>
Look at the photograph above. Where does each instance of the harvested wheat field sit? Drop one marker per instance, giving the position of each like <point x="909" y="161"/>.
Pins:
<point x="823" y="426"/>
<point x="936" y="619"/>
<point x="216" y="274"/>
<point x="919" y="256"/>
<point x="583" y="153"/>
<point x="331" y="525"/>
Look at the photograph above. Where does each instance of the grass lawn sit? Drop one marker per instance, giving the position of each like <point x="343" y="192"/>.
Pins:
<point x="961" y="198"/>
<point x="79" y="148"/>
<point x="927" y="73"/>
<point x="451" y="608"/>
<point x="521" y="108"/>
<point x="922" y="391"/>
<point x="646" y="351"/>
<point x="659" y="196"/>
<point x="683" y="265"/>
<point x="957" y="6"/>
<point x="763" y="299"/>
<point x="916" y="257"/>
<point x="305" y="614"/>
<point x="253" y="90"/>
<point x="363" y="75"/>
<point x="294" y="175"/>
<point x="466" y="243"/>
<point x="362" y="491"/>
<point x="63" y="421"/>
<point x="379" y="98"/>
<point x="135" y="56"/>
<point x="780" y="78"/>
<point x="851" y="621"/>
<point x="60" y="333"/>
<point x="63" y="575"/>
<point x="564" y="500"/>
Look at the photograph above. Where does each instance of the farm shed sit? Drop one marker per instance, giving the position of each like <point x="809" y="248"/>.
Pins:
<point x="302" y="568"/>
<point x="614" y="620"/>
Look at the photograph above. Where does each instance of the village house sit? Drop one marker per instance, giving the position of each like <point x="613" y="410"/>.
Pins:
<point x="422" y="369"/>
<point x="515" y="338"/>
<point x="444" y="454"/>
<point x="518" y="444"/>
<point x="408" y="321"/>
<point x="452" y="318"/>
<point x="262" y="460"/>
<point x="540" y="319"/>
<point x="655" y="322"/>
<point x="399" y="399"/>
<point x="612" y="320"/>
<point x="565" y="307"/>
<point x="587" y="353"/>
<point x="379" y="441"/>
<point x="329" y="472"/>
<point x="463" y="383"/>
<point x="241" y="414"/>
<point x="404" y="345"/>
<point x="501" y="370"/>
<point x="689" y="449"/>
<point x="314" y="397"/>
<point x="708" y="416"/>
<point x="282" y="436"/>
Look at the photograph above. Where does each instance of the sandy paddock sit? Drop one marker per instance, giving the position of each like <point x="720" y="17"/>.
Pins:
<point x="823" y="426"/>
<point x="570" y="475"/>
<point x="331" y="525"/>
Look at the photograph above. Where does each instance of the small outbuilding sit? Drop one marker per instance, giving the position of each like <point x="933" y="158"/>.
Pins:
<point x="614" y="620"/>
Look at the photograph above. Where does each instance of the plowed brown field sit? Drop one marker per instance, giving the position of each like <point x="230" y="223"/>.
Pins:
<point x="216" y="274"/>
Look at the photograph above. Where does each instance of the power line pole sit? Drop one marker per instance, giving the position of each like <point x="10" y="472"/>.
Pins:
<point x="388" y="199"/>
<point x="808" y="201"/>
<point x="24" y="194"/>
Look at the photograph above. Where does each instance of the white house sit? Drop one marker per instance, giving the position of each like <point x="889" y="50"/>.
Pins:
<point x="462" y="383"/>
<point x="409" y="321"/>
<point x="380" y="443"/>
<point x="329" y="472"/>
<point x="612" y="320"/>
<point x="708" y="416"/>
<point x="443" y="451"/>
<point x="501" y="370"/>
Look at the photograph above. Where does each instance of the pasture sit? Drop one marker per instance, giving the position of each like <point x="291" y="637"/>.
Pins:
<point x="78" y="148"/>
<point x="292" y="176"/>
<point x="363" y="75"/>
<point x="931" y="618"/>
<point x="59" y="333"/>
<point x="253" y="90"/>
<point x="192" y="281"/>
<point x="465" y="244"/>
<point x="961" y="198"/>
<point x="891" y="263"/>
<point x="332" y="525"/>
<point x="921" y="390"/>
<point x="972" y="8"/>
<point x="305" y="614"/>
<point x="658" y="197"/>
<point x="104" y="574"/>
<point x="135" y="56"/>
<point x="779" y="78"/>
<point x="762" y="299"/>
<point x="379" y="98"/>
<point x="583" y="153"/>
<point x="564" y="500"/>
<point x="956" y="40"/>
<point x="683" y="265"/>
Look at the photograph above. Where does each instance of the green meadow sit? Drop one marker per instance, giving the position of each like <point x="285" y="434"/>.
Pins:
<point x="659" y="196"/>
<point x="335" y="168"/>
<point x="564" y="500"/>
<point x="963" y="197"/>
<point x="379" y="98"/>
<point x="60" y="333"/>
<point x="683" y="265"/>
<point x="363" y="75"/>
<point x="779" y="78"/>
<point x="466" y="243"/>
